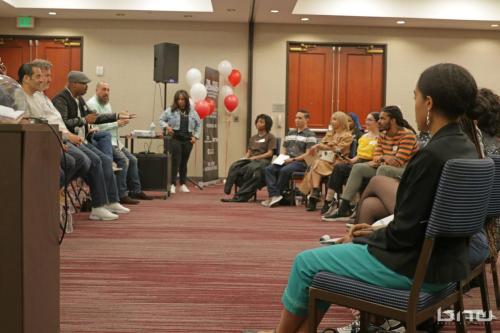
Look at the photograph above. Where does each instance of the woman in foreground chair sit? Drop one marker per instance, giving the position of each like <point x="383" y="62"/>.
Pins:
<point x="388" y="257"/>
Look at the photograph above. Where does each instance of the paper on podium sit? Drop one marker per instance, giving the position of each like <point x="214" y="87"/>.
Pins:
<point x="280" y="160"/>
<point x="9" y="115"/>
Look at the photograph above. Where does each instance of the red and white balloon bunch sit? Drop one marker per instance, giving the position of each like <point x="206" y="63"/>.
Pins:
<point x="233" y="77"/>
<point x="203" y="105"/>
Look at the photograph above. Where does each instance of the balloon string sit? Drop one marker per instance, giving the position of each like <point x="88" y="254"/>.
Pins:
<point x="228" y="123"/>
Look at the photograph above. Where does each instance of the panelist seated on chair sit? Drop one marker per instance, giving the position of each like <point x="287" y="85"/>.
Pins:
<point x="296" y="146"/>
<point x="247" y="172"/>
<point x="129" y="184"/>
<point x="77" y="117"/>
<point x="388" y="257"/>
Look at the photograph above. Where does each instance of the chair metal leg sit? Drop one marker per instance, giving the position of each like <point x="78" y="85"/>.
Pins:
<point x="485" y="299"/>
<point x="495" y="283"/>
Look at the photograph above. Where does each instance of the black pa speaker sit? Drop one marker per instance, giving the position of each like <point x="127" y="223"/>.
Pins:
<point x="166" y="63"/>
<point x="152" y="171"/>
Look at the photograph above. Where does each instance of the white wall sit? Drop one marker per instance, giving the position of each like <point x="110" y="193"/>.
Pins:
<point x="409" y="52"/>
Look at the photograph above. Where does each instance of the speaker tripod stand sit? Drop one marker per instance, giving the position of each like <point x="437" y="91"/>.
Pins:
<point x="167" y="143"/>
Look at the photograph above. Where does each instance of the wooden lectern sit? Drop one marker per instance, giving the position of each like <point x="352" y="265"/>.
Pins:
<point x="29" y="222"/>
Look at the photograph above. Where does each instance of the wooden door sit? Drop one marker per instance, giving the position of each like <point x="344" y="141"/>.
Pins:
<point x="360" y="80"/>
<point x="65" y="56"/>
<point x="63" y="53"/>
<point x="14" y="53"/>
<point x="310" y="78"/>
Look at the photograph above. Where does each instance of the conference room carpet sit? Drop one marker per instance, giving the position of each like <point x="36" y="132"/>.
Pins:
<point x="190" y="264"/>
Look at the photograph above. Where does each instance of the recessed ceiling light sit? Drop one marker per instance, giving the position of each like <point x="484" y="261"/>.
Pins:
<point x="305" y="19"/>
<point x="274" y="11"/>
<point x="52" y="13"/>
<point x="401" y="22"/>
<point x="231" y="10"/>
<point x="188" y="16"/>
<point x="120" y="14"/>
<point x="494" y="25"/>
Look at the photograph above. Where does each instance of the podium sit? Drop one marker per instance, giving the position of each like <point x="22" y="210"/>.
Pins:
<point x="29" y="229"/>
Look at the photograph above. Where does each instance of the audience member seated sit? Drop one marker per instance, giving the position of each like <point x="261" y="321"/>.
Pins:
<point x="247" y="172"/>
<point x="365" y="150"/>
<point x="489" y="121"/>
<point x="388" y="257"/>
<point x="129" y="184"/>
<point x="296" y="146"/>
<point x="396" y="144"/>
<point x="333" y="149"/>
<point x="354" y="126"/>
<point x="77" y="117"/>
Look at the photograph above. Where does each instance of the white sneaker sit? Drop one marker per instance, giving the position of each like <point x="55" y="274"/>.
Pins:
<point x="102" y="214"/>
<point x="116" y="208"/>
<point x="265" y="203"/>
<point x="353" y="327"/>
<point x="172" y="189"/>
<point x="184" y="189"/>
<point x="393" y="326"/>
<point x="274" y="200"/>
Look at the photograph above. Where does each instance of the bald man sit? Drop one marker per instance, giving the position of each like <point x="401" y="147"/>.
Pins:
<point x="125" y="160"/>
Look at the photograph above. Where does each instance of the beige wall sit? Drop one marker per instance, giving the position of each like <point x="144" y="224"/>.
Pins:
<point x="125" y="49"/>
<point x="409" y="52"/>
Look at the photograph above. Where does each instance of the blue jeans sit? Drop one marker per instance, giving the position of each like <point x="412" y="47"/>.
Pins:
<point x="102" y="140"/>
<point x="67" y="168"/>
<point x="128" y="177"/>
<point x="278" y="176"/>
<point x="100" y="177"/>
<point x="121" y="176"/>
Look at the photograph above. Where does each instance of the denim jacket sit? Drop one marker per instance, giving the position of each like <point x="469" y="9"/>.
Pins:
<point x="173" y="120"/>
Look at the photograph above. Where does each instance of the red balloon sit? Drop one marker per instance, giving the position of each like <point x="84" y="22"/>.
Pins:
<point x="202" y="108"/>
<point x="231" y="102"/>
<point x="211" y="102"/>
<point x="234" y="78"/>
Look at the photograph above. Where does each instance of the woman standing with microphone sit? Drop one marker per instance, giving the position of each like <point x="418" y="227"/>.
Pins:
<point x="181" y="121"/>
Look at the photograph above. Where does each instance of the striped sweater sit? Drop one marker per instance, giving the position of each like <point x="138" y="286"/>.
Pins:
<point x="402" y="146"/>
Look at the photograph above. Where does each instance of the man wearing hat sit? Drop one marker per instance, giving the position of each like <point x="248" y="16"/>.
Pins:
<point x="77" y="117"/>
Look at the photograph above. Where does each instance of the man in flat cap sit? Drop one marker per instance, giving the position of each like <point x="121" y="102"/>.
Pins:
<point x="77" y="118"/>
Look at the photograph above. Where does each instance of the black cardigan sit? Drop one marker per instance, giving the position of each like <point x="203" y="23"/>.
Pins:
<point x="66" y="105"/>
<point x="398" y="246"/>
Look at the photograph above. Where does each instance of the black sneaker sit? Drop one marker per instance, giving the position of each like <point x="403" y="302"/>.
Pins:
<point x="337" y="215"/>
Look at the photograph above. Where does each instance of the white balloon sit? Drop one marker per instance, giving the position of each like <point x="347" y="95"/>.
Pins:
<point x="225" y="91"/>
<point x="198" y="92"/>
<point x="225" y="68"/>
<point x="193" y="76"/>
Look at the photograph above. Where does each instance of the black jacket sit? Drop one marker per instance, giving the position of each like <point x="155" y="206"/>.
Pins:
<point x="398" y="246"/>
<point x="66" y="105"/>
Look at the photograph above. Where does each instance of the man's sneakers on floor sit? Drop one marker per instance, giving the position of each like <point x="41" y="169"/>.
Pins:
<point x="272" y="201"/>
<point x="184" y="189"/>
<point x="172" y="189"/>
<point x="116" y="208"/>
<point x="102" y="214"/>
<point x="389" y="326"/>
<point x="140" y="196"/>
<point x="126" y="200"/>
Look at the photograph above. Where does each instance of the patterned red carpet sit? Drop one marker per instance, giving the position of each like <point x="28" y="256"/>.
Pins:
<point x="189" y="264"/>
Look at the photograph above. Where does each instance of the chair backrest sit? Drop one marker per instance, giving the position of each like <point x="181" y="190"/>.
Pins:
<point x="276" y="150"/>
<point x="494" y="205"/>
<point x="462" y="198"/>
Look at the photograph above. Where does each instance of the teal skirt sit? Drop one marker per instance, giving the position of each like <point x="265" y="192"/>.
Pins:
<point x="349" y="260"/>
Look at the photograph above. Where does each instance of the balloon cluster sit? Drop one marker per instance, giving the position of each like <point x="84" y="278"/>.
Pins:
<point x="203" y="105"/>
<point x="233" y="77"/>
